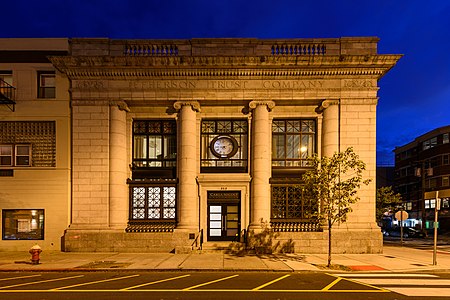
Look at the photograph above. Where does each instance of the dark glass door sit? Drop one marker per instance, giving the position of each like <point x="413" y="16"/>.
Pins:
<point x="223" y="221"/>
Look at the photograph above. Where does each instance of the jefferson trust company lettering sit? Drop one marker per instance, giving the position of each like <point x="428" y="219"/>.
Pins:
<point x="226" y="84"/>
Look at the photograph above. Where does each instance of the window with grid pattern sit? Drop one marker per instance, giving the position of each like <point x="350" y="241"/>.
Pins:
<point x="28" y="143"/>
<point x="154" y="143"/>
<point x="293" y="142"/>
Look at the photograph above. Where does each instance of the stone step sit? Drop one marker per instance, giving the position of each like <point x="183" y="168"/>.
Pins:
<point x="220" y="247"/>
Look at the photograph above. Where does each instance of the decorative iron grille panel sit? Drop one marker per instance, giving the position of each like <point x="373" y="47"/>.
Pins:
<point x="40" y="134"/>
<point x="288" y="202"/>
<point x="153" y="203"/>
<point x="169" y="196"/>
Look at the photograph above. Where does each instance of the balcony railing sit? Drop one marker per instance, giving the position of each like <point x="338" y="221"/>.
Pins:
<point x="7" y="95"/>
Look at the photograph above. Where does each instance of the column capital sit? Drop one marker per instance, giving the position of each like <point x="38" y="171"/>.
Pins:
<point x="325" y="104"/>
<point x="194" y="104"/>
<point x="121" y="104"/>
<point x="270" y="104"/>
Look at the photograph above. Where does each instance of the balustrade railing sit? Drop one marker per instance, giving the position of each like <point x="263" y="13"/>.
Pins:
<point x="301" y="49"/>
<point x="151" y="50"/>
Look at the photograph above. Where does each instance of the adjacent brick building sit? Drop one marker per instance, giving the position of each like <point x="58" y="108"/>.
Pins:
<point x="422" y="168"/>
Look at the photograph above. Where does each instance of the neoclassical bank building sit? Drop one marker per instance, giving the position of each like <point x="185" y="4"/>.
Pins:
<point x="182" y="144"/>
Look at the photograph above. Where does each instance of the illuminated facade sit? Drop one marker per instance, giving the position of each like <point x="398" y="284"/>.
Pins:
<point x="173" y="140"/>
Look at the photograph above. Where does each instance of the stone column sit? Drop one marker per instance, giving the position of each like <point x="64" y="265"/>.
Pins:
<point x="118" y="193"/>
<point x="187" y="165"/>
<point x="330" y="127"/>
<point x="261" y="166"/>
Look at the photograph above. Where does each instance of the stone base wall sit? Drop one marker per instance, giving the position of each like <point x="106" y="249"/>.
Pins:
<point x="354" y="242"/>
<point x="120" y="241"/>
<point x="364" y="241"/>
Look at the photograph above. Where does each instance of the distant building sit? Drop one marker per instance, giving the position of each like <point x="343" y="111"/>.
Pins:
<point x="422" y="168"/>
<point x="385" y="176"/>
<point x="175" y="142"/>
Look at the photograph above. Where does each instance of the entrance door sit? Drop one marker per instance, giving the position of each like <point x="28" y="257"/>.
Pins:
<point x="223" y="220"/>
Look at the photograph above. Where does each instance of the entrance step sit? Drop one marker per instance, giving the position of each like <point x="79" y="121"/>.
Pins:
<point x="221" y="247"/>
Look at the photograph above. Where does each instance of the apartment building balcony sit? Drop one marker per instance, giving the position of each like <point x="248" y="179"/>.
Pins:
<point x="7" y="95"/>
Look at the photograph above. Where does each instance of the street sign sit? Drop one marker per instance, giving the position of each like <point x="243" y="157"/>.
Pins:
<point x="401" y="215"/>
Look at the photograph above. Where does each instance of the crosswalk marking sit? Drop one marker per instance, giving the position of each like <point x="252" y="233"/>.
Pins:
<point x="418" y="285"/>
<point x="384" y="275"/>
<point x="422" y="292"/>
<point x="397" y="282"/>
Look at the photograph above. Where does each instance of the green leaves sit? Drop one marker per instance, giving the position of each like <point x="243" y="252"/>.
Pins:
<point x="333" y="183"/>
<point x="386" y="200"/>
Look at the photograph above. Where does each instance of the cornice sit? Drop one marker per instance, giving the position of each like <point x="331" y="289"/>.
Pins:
<point x="122" y="67"/>
<point x="129" y="73"/>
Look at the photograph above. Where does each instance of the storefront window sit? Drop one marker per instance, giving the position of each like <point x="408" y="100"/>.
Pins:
<point x="23" y="224"/>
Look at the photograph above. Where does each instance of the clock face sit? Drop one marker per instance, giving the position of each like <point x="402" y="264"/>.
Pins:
<point x="223" y="146"/>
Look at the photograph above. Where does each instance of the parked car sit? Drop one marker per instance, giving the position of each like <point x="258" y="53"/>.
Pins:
<point x="407" y="232"/>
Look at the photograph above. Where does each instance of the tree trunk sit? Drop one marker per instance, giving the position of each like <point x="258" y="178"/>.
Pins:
<point x="329" y="243"/>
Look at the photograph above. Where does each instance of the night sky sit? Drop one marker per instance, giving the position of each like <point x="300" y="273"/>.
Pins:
<point x="414" y="95"/>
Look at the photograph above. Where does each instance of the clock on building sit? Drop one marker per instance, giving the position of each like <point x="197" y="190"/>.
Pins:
<point x="224" y="146"/>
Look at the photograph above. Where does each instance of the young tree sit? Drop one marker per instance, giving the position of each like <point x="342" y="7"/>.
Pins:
<point x="333" y="183"/>
<point x="386" y="200"/>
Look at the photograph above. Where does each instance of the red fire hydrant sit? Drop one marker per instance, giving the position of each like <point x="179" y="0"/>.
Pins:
<point x="35" y="251"/>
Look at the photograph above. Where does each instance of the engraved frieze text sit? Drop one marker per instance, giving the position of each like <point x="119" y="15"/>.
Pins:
<point x="90" y="84"/>
<point x="163" y="84"/>
<point x="292" y="84"/>
<point x="357" y="83"/>
<point x="227" y="84"/>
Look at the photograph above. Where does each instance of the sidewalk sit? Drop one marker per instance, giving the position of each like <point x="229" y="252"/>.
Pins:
<point x="394" y="259"/>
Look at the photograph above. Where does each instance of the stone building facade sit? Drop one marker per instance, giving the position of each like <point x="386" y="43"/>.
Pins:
<point x="178" y="142"/>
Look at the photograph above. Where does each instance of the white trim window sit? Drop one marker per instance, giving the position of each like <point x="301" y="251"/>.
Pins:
<point x="46" y="84"/>
<point x="15" y="155"/>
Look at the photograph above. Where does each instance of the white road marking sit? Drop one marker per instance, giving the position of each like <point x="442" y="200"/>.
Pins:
<point x="368" y="275"/>
<point x="418" y="285"/>
<point x="398" y="282"/>
<point x="421" y="292"/>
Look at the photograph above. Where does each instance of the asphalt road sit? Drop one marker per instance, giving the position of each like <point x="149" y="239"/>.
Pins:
<point x="221" y="285"/>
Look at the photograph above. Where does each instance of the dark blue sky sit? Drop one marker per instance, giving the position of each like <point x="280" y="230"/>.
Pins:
<point x="414" y="96"/>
